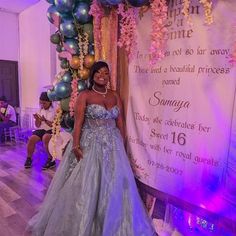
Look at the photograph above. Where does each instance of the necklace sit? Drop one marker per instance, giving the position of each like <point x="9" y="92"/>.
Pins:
<point x="102" y="93"/>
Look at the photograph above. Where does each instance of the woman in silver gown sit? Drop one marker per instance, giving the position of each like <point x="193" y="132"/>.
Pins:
<point x="93" y="192"/>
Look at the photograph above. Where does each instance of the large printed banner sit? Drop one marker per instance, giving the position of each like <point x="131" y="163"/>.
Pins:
<point x="180" y="111"/>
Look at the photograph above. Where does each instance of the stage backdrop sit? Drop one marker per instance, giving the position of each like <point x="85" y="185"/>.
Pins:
<point x="180" y="111"/>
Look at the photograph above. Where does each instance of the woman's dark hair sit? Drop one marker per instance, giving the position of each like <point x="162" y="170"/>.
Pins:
<point x="95" y="68"/>
<point x="44" y="97"/>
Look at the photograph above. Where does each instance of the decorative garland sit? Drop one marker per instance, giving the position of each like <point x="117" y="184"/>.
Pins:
<point x="74" y="94"/>
<point x="56" y="130"/>
<point x="128" y="37"/>
<point x="207" y="5"/>
<point x="159" y="30"/>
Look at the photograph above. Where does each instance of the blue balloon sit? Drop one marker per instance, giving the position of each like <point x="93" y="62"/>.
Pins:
<point x="50" y="1"/>
<point x="68" y="29"/>
<point x="65" y="6"/>
<point x="53" y="14"/>
<point x="69" y="121"/>
<point x="60" y="48"/>
<point x="52" y="95"/>
<point x="138" y="3"/>
<point x="67" y="77"/>
<point x="71" y="45"/>
<point x="63" y="90"/>
<point x="82" y="85"/>
<point x="108" y="3"/>
<point x="91" y="49"/>
<point x="81" y="13"/>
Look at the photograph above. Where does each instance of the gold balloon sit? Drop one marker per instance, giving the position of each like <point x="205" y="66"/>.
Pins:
<point x="84" y="74"/>
<point x="89" y="61"/>
<point x="75" y="62"/>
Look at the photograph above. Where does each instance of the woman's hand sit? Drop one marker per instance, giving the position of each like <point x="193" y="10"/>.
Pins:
<point x="78" y="153"/>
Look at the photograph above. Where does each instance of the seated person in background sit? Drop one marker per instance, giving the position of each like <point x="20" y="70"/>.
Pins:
<point x="7" y="116"/>
<point x="43" y="122"/>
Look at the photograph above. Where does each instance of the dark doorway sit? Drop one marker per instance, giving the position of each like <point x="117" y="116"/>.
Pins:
<point x="9" y="81"/>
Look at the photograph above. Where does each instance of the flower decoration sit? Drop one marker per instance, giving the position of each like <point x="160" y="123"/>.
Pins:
<point x="159" y="30"/>
<point x="98" y="13"/>
<point x="128" y="38"/>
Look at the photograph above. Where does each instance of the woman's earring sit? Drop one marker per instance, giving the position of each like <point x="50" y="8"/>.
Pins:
<point x="108" y="86"/>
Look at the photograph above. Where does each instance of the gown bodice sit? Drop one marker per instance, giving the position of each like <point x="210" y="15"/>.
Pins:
<point x="96" y="111"/>
<point x="98" y="116"/>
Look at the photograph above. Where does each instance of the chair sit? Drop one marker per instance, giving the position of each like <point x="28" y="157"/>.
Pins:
<point x="12" y="133"/>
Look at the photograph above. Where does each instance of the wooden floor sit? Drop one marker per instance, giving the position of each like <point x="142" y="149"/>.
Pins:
<point x="21" y="190"/>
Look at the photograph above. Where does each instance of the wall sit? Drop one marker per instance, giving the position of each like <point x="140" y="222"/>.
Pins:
<point x="37" y="54"/>
<point x="9" y="40"/>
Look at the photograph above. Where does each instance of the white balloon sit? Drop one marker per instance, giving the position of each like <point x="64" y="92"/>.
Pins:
<point x="60" y="143"/>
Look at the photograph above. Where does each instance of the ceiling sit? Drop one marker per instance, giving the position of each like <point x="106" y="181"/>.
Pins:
<point x="16" y="6"/>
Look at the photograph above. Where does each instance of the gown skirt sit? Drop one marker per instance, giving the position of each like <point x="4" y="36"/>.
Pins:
<point x="96" y="196"/>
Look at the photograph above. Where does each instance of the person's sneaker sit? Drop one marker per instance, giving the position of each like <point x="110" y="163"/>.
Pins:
<point x="49" y="165"/>
<point x="28" y="163"/>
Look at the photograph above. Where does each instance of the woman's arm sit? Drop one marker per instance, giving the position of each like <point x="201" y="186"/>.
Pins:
<point x="120" y="119"/>
<point x="80" y="106"/>
<point x="37" y="120"/>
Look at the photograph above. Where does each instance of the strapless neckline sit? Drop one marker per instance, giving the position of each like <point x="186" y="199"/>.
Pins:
<point x="93" y="104"/>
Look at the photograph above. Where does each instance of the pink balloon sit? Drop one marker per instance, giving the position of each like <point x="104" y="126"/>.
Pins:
<point x="69" y="49"/>
<point x="65" y="54"/>
<point x="56" y="19"/>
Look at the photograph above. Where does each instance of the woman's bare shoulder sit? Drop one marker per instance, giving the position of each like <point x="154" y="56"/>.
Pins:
<point x="84" y="94"/>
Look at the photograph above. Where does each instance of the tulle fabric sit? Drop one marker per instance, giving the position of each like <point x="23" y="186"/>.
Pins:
<point x="96" y="196"/>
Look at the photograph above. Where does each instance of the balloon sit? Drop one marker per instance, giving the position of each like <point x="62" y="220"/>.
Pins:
<point x="87" y="1"/>
<point x="81" y="13"/>
<point x="88" y="28"/>
<point x="75" y="62"/>
<point x="65" y="104"/>
<point x="69" y="121"/>
<point x="89" y="61"/>
<point x="71" y="45"/>
<point x="68" y="29"/>
<point x="63" y="123"/>
<point x="62" y="89"/>
<point x="64" y="6"/>
<point x="65" y="55"/>
<point x="52" y="95"/>
<point x="55" y="38"/>
<point x="84" y="73"/>
<point x="82" y="85"/>
<point x="60" y="48"/>
<point x="64" y="64"/>
<point x="91" y="49"/>
<point x="108" y="3"/>
<point x="138" y="3"/>
<point x="50" y="1"/>
<point x="58" y="146"/>
<point x="67" y="77"/>
<point x="54" y="16"/>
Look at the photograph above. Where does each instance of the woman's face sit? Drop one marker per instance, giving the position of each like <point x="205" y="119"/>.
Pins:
<point x="44" y="104"/>
<point x="102" y="76"/>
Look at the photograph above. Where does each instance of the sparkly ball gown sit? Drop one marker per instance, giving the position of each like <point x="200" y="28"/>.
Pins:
<point x="96" y="196"/>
